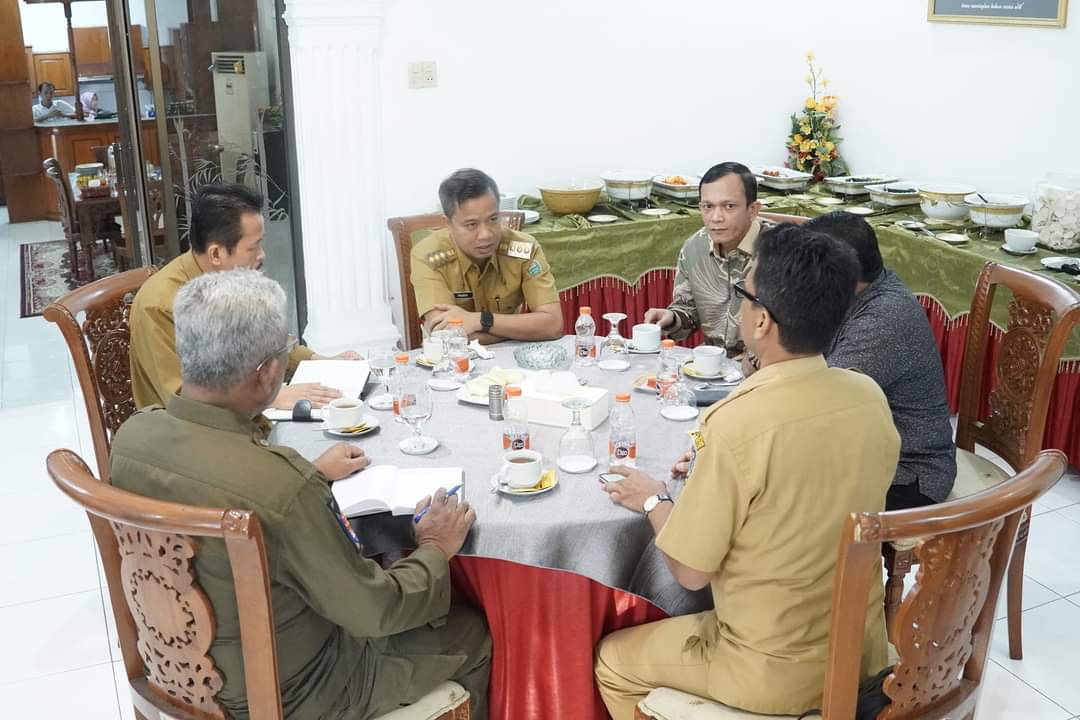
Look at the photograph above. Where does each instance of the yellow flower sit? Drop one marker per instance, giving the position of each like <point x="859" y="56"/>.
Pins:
<point x="820" y="107"/>
<point x="797" y="139"/>
<point x="810" y="57"/>
<point x="805" y="129"/>
<point x="810" y="103"/>
<point x="830" y="145"/>
<point x="813" y="144"/>
<point x="830" y="101"/>
<point x="804" y="146"/>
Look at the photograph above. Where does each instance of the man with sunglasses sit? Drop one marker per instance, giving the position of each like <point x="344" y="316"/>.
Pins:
<point x="776" y="468"/>
<point x="713" y="259"/>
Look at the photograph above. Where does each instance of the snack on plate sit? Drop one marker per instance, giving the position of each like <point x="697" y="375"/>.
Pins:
<point x="495" y="376"/>
<point x="771" y="173"/>
<point x="675" y="180"/>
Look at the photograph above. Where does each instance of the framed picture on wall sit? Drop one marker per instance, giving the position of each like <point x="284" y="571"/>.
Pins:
<point x="1047" y="13"/>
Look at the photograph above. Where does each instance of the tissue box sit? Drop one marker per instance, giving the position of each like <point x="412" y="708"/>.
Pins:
<point x="544" y="399"/>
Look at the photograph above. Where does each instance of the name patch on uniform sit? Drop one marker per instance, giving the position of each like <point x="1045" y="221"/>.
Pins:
<point x="463" y="295"/>
<point x="343" y="523"/>
<point x="534" y="268"/>
<point x="699" y="440"/>
<point x="520" y="249"/>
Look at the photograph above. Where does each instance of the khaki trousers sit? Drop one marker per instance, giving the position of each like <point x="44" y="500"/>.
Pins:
<point x="632" y="662"/>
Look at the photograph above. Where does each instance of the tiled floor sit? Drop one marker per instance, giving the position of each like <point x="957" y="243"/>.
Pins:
<point x="59" y="657"/>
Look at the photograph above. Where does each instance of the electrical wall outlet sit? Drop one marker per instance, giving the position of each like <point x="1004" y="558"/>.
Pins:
<point x="423" y="75"/>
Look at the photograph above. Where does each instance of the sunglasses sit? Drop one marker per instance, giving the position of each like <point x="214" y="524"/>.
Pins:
<point x="741" y="291"/>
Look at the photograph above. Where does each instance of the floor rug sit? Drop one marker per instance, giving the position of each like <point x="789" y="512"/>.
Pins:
<point x="46" y="274"/>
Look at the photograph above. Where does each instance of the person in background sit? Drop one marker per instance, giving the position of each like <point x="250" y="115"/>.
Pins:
<point x="713" y="259"/>
<point x="89" y="102"/>
<point x="481" y="271"/>
<point x="49" y="107"/>
<point x="775" y="470"/>
<point x="354" y="641"/>
<point x="887" y="336"/>
<point x="226" y="232"/>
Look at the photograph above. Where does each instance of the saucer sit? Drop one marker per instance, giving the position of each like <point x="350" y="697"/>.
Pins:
<point x="690" y="370"/>
<point x="727" y="375"/>
<point x="549" y="480"/>
<point x="679" y="412"/>
<point x="801" y="196"/>
<point x="427" y="444"/>
<point x="910" y="224"/>
<point x="382" y="402"/>
<point x="1009" y="250"/>
<point x="370" y="421"/>
<point x="443" y="384"/>
<point x="830" y="201"/>
<point x="613" y="365"/>
<point x="859" y="210"/>
<point x="953" y="238"/>
<point x="656" y="212"/>
<point x="602" y="219"/>
<point x="638" y="351"/>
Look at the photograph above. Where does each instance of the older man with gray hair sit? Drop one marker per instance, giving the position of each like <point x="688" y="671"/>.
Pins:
<point x="354" y="641"/>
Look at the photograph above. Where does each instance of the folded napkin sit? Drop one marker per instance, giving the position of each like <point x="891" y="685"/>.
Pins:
<point x="481" y="352"/>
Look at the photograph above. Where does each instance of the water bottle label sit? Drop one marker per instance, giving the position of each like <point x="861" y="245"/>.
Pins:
<point x="586" y="351"/>
<point x="516" y="442"/>
<point x="623" y="450"/>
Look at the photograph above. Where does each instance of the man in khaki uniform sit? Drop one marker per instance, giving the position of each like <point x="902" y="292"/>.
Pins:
<point x="353" y="641"/>
<point x="480" y="271"/>
<point x="776" y="468"/>
<point x="226" y="233"/>
<point x="713" y="259"/>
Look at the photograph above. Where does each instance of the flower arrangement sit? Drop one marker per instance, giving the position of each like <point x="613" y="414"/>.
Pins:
<point x="812" y="143"/>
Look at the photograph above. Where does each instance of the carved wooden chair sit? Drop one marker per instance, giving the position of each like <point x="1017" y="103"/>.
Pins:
<point x="402" y="229"/>
<point x="99" y="349"/>
<point x="65" y="202"/>
<point x="943" y="626"/>
<point x="165" y="621"/>
<point x="1042" y="314"/>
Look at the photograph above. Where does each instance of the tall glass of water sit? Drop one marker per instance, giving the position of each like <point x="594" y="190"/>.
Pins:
<point x="416" y="406"/>
<point x="381" y="360"/>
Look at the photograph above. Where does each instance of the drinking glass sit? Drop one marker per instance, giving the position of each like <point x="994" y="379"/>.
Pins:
<point x="614" y="346"/>
<point x="380" y="360"/>
<point x="576" y="445"/>
<point x="416" y="406"/>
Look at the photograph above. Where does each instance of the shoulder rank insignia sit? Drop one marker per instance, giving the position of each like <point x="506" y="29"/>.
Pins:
<point x="441" y="257"/>
<point x="521" y="249"/>
<point x="698" y="439"/>
<point x="343" y="523"/>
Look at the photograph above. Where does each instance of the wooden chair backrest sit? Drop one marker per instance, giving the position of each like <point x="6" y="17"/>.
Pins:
<point x="943" y="627"/>
<point x="782" y="218"/>
<point x="65" y="200"/>
<point x="402" y="229"/>
<point x="164" y="620"/>
<point x="1042" y="314"/>
<point x="99" y="349"/>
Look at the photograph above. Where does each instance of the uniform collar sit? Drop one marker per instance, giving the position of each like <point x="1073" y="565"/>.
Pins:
<point x="189" y="265"/>
<point x="212" y="416"/>
<point x="493" y="261"/>
<point x="745" y="246"/>
<point x="781" y="371"/>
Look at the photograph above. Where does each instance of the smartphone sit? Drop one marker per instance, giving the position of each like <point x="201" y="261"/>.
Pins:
<point x="610" y="477"/>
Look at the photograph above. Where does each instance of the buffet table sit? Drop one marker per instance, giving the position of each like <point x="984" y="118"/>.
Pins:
<point x="628" y="267"/>
<point x="553" y="573"/>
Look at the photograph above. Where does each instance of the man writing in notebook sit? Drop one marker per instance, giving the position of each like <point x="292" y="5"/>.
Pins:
<point x="779" y="464"/>
<point x="353" y="641"/>
<point x="226" y="232"/>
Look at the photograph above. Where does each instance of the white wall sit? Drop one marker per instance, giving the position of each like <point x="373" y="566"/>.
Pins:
<point x="45" y="28"/>
<point x="564" y="90"/>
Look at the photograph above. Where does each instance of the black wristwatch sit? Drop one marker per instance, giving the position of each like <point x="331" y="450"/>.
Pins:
<point x="486" y="320"/>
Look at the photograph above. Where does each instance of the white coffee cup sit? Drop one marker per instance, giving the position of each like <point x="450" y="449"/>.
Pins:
<point x="433" y="348"/>
<point x="521" y="469"/>
<point x="708" y="359"/>
<point x="345" y="412"/>
<point x="1020" y="240"/>
<point x="646" y="337"/>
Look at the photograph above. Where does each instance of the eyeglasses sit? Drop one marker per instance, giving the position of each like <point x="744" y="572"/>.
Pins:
<point x="286" y="348"/>
<point x="741" y="291"/>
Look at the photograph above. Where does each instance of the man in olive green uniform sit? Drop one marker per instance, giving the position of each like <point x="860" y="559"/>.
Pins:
<point x="353" y="641"/>
<point x="713" y="259"/>
<point x="776" y="468"/>
<point x="226" y="232"/>
<point x="482" y="272"/>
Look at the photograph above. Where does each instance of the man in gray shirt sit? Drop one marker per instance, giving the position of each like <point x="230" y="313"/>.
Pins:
<point x="886" y="335"/>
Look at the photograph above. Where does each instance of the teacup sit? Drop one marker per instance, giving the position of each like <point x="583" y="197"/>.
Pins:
<point x="646" y="337"/>
<point x="433" y="349"/>
<point x="1020" y="240"/>
<point x="345" y="412"/>
<point x="521" y="469"/>
<point x="709" y="359"/>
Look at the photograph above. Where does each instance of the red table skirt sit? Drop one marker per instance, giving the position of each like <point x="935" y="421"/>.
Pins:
<point x="655" y="287"/>
<point x="544" y="627"/>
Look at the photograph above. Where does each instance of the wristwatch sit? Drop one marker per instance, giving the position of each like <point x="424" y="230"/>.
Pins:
<point x="486" y="320"/>
<point x="653" y="500"/>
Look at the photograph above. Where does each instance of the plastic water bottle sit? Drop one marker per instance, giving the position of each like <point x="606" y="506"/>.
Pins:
<point x="457" y="345"/>
<point x="667" y="374"/>
<point x="516" y="425"/>
<point x="585" y="342"/>
<point x="398" y="375"/>
<point x="622" y="443"/>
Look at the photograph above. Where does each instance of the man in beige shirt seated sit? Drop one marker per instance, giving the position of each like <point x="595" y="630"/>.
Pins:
<point x="226" y="233"/>
<point x="776" y="468"/>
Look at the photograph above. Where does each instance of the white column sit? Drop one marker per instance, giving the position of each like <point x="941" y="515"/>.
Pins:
<point x="334" y="48"/>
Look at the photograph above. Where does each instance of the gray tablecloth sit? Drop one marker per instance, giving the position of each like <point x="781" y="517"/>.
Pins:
<point x="575" y="527"/>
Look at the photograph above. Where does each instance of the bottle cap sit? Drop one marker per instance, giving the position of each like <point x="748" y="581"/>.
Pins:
<point x="402" y="358"/>
<point x="585" y="310"/>
<point x="669" y="343"/>
<point x="623" y="397"/>
<point x="513" y="391"/>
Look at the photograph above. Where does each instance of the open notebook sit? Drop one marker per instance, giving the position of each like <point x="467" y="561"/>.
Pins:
<point x="385" y="487"/>
<point x="348" y="376"/>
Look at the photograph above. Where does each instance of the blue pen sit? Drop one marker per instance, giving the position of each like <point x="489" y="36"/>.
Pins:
<point x="420" y="515"/>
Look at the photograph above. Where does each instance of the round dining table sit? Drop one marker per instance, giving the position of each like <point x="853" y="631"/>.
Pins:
<point x="552" y="572"/>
